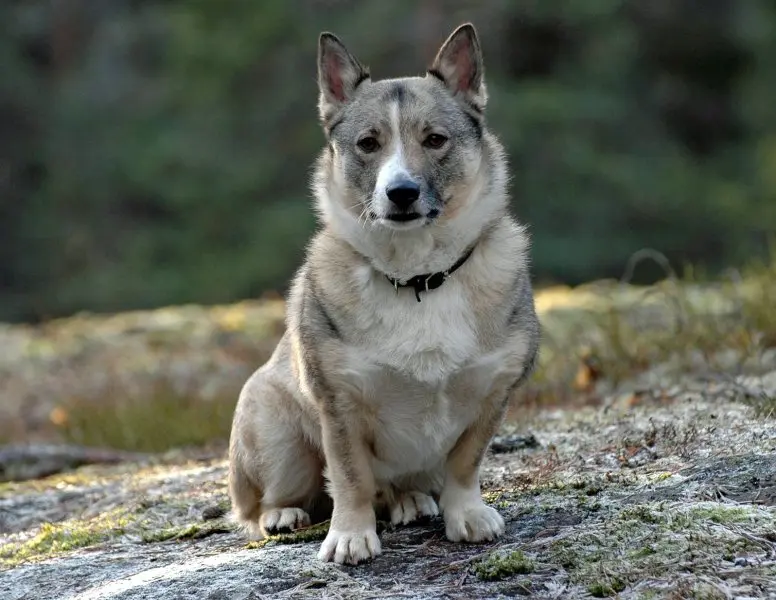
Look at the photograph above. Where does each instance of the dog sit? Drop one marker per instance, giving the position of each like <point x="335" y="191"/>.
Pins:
<point x="409" y="324"/>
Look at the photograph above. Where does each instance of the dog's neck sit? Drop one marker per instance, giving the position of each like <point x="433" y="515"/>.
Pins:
<point x="434" y="248"/>
<point x="430" y="281"/>
<point x="402" y="255"/>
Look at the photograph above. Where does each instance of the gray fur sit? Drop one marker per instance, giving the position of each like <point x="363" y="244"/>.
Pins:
<point x="393" y="402"/>
<point x="425" y="106"/>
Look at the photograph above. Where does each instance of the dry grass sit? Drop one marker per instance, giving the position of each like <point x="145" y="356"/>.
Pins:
<point x="600" y="335"/>
<point x="154" y="423"/>
<point x="170" y="378"/>
<point x="147" y="380"/>
<point x="619" y="332"/>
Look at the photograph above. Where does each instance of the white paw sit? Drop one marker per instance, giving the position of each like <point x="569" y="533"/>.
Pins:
<point x="284" y="518"/>
<point x="467" y="517"/>
<point x="476" y="522"/>
<point x="350" y="546"/>
<point x="411" y="506"/>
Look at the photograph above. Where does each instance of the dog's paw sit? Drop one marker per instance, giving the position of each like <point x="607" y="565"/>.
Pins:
<point x="411" y="506"/>
<point x="284" y="519"/>
<point x="350" y="547"/>
<point x="476" y="522"/>
<point x="467" y="517"/>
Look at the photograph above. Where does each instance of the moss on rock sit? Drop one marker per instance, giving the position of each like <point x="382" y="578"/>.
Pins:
<point x="499" y="565"/>
<point x="58" y="538"/>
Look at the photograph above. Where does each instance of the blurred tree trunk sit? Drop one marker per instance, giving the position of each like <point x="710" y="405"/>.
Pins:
<point x="67" y="34"/>
<point x="430" y="19"/>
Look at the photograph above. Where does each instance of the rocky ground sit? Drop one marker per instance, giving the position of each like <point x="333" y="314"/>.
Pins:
<point x="670" y="493"/>
<point x="657" y="479"/>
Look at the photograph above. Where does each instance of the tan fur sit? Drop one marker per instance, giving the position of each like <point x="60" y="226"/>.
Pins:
<point x="373" y="398"/>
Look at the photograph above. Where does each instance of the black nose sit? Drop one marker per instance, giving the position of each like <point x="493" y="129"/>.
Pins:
<point x="403" y="193"/>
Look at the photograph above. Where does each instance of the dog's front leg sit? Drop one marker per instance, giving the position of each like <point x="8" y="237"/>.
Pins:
<point x="352" y="535"/>
<point x="321" y="359"/>
<point x="467" y="517"/>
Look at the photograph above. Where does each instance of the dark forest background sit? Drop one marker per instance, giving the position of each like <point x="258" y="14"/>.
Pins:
<point x="156" y="152"/>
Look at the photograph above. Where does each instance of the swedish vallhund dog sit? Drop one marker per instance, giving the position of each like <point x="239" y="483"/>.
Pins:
<point x="409" y="324"/>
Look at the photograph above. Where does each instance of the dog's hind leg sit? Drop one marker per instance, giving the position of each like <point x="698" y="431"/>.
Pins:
<point x="412" y="497"/>
<point x="275" y="474"/>
<point x="409" y="507"/>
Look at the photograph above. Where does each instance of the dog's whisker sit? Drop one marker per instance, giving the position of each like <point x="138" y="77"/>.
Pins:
<point x="364" y="215"/>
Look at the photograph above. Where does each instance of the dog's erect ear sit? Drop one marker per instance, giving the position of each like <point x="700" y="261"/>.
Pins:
<point x="459" y="65"/>
<point x="339" y="74"/>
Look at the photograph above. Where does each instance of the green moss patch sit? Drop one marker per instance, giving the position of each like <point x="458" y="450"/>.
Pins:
<point x="57" y="538"/>
<point x="645" y="542"/>
<point x="192" y="531"/>
<point x="604" y="589"/>
<point x="313" y="533"/>
<point x="500" y="565"/>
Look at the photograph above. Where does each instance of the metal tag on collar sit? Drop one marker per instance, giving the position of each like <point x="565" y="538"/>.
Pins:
<point x="396" y="286"/>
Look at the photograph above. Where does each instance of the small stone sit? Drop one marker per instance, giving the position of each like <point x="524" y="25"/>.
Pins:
<point x="502" y="444"/>
<point x="642" y="457"/>
<point x="741" y="562"/>
<point x="213" y="512"/>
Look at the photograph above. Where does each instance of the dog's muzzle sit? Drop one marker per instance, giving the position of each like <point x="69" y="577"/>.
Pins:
<point x="403" y="196"/>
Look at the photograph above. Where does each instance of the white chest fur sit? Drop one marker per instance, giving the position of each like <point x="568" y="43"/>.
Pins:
<point x="427" y="340"/>
<point x="415" y="429"/>
<point x="408" y="359"/>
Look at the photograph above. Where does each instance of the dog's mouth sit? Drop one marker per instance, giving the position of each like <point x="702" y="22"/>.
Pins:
<point x="404" y="220"/>
<point x="403" y="217"/>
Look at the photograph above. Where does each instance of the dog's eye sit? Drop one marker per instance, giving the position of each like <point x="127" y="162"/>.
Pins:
<point x="434" y="140"/>
<point x="369" y="144"/>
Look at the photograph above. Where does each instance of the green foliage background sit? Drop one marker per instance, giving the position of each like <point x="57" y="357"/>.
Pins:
<point x="156" y="152"/>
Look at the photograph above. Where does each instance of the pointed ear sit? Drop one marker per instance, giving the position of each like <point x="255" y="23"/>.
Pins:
<point x="459" y="65"/>
<point x="339" y="74"/>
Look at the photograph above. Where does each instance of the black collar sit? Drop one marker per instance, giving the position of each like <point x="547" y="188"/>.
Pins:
<point x="429" y="281"/>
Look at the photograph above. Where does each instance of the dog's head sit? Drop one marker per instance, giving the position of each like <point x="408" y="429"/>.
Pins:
<point x="404" y="153"/>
